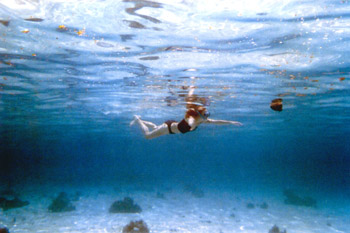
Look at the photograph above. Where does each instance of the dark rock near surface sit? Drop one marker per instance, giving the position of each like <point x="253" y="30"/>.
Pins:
<point x="198" y="193"/>
<point x="61" y="204"/>
<point x="250" y="206"/>
<point x="294" y="199"/>
<point x="76" y="196"/>
<point x="7" y="204"/>
<point x="125" y="206"/>
<point x="264" y="206"/>
<point x="160" y="195"/>
<point x="194" y="190"/>
<point x="275" y="229"/>
<point x="136" y="227"/>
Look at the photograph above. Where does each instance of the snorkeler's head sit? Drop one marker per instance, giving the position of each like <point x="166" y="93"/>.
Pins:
<point x="203" y="112"/>
<point x="198" y="112"/>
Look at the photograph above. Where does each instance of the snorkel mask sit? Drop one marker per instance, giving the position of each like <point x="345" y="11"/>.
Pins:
<point x="205" y="115"/>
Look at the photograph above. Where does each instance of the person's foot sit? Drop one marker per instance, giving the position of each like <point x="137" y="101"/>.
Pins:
<point x="136" y="117"/>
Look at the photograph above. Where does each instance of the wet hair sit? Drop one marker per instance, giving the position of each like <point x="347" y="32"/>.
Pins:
<point x="193" y="111"/>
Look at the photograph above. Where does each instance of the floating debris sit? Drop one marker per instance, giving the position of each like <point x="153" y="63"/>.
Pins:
<point x="174" y="48"/>
<point x="62" y="27"/>
<point x="191" y="70"/>
<point x="81" y="32"/>
<point x="134" y="24"/>
<point x="32" y="19"/>
<point x="5" y="22"/>
<point x="276" y="105"/>
<point x="341" y="79"/>
<point x="149" y="58"/>
<point x="25" y="31"/>
<point x="9" y="63"/>
<point x="284" y="94"/>
<point x="104" y="44"/>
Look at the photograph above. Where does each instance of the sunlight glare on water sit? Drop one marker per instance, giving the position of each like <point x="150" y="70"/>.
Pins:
<point x="126" y="57"/>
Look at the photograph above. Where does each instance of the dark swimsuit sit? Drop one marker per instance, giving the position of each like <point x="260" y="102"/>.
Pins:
<point x="183" y="126"/>
<point x="169" y="122"/>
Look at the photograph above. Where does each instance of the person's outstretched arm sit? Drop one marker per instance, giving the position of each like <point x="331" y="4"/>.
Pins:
<point x="222" y="122"/>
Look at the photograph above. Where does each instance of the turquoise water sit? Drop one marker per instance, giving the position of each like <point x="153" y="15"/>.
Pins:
<point x="73" y="74"/>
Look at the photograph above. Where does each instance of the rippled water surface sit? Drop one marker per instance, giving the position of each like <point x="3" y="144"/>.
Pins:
<point x="73" y="74"/>
<point x="63" y="62"/>
<point x="71" y="68"/>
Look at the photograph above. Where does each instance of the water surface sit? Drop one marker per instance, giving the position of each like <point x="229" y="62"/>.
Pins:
<point x="73" y="74"/>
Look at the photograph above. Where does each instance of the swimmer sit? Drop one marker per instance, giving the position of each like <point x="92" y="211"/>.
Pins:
<point x="194" y="116"/>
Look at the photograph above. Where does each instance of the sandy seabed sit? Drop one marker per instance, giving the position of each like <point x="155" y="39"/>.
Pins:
<point x="178" y="211"/>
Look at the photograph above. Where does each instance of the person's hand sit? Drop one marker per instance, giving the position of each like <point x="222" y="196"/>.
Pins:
<point x="236" y="123"/>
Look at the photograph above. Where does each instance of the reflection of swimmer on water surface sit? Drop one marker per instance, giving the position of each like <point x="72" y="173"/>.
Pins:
<point x="190" y="98"/>
<point x="195" y="115"/>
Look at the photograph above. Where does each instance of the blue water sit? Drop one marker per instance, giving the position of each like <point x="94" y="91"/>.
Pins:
<point x="71" y="82"/>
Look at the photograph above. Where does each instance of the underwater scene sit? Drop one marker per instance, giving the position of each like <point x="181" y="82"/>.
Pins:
<point x="171" y="116"/>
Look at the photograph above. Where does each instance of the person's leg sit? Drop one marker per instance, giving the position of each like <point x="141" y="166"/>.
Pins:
<point x="142" y="125"/>
<point x="149" y="124"/>
<point x="158" y="130"/>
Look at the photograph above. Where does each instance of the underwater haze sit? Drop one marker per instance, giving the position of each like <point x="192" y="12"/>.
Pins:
<point x="74" y="73"/>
